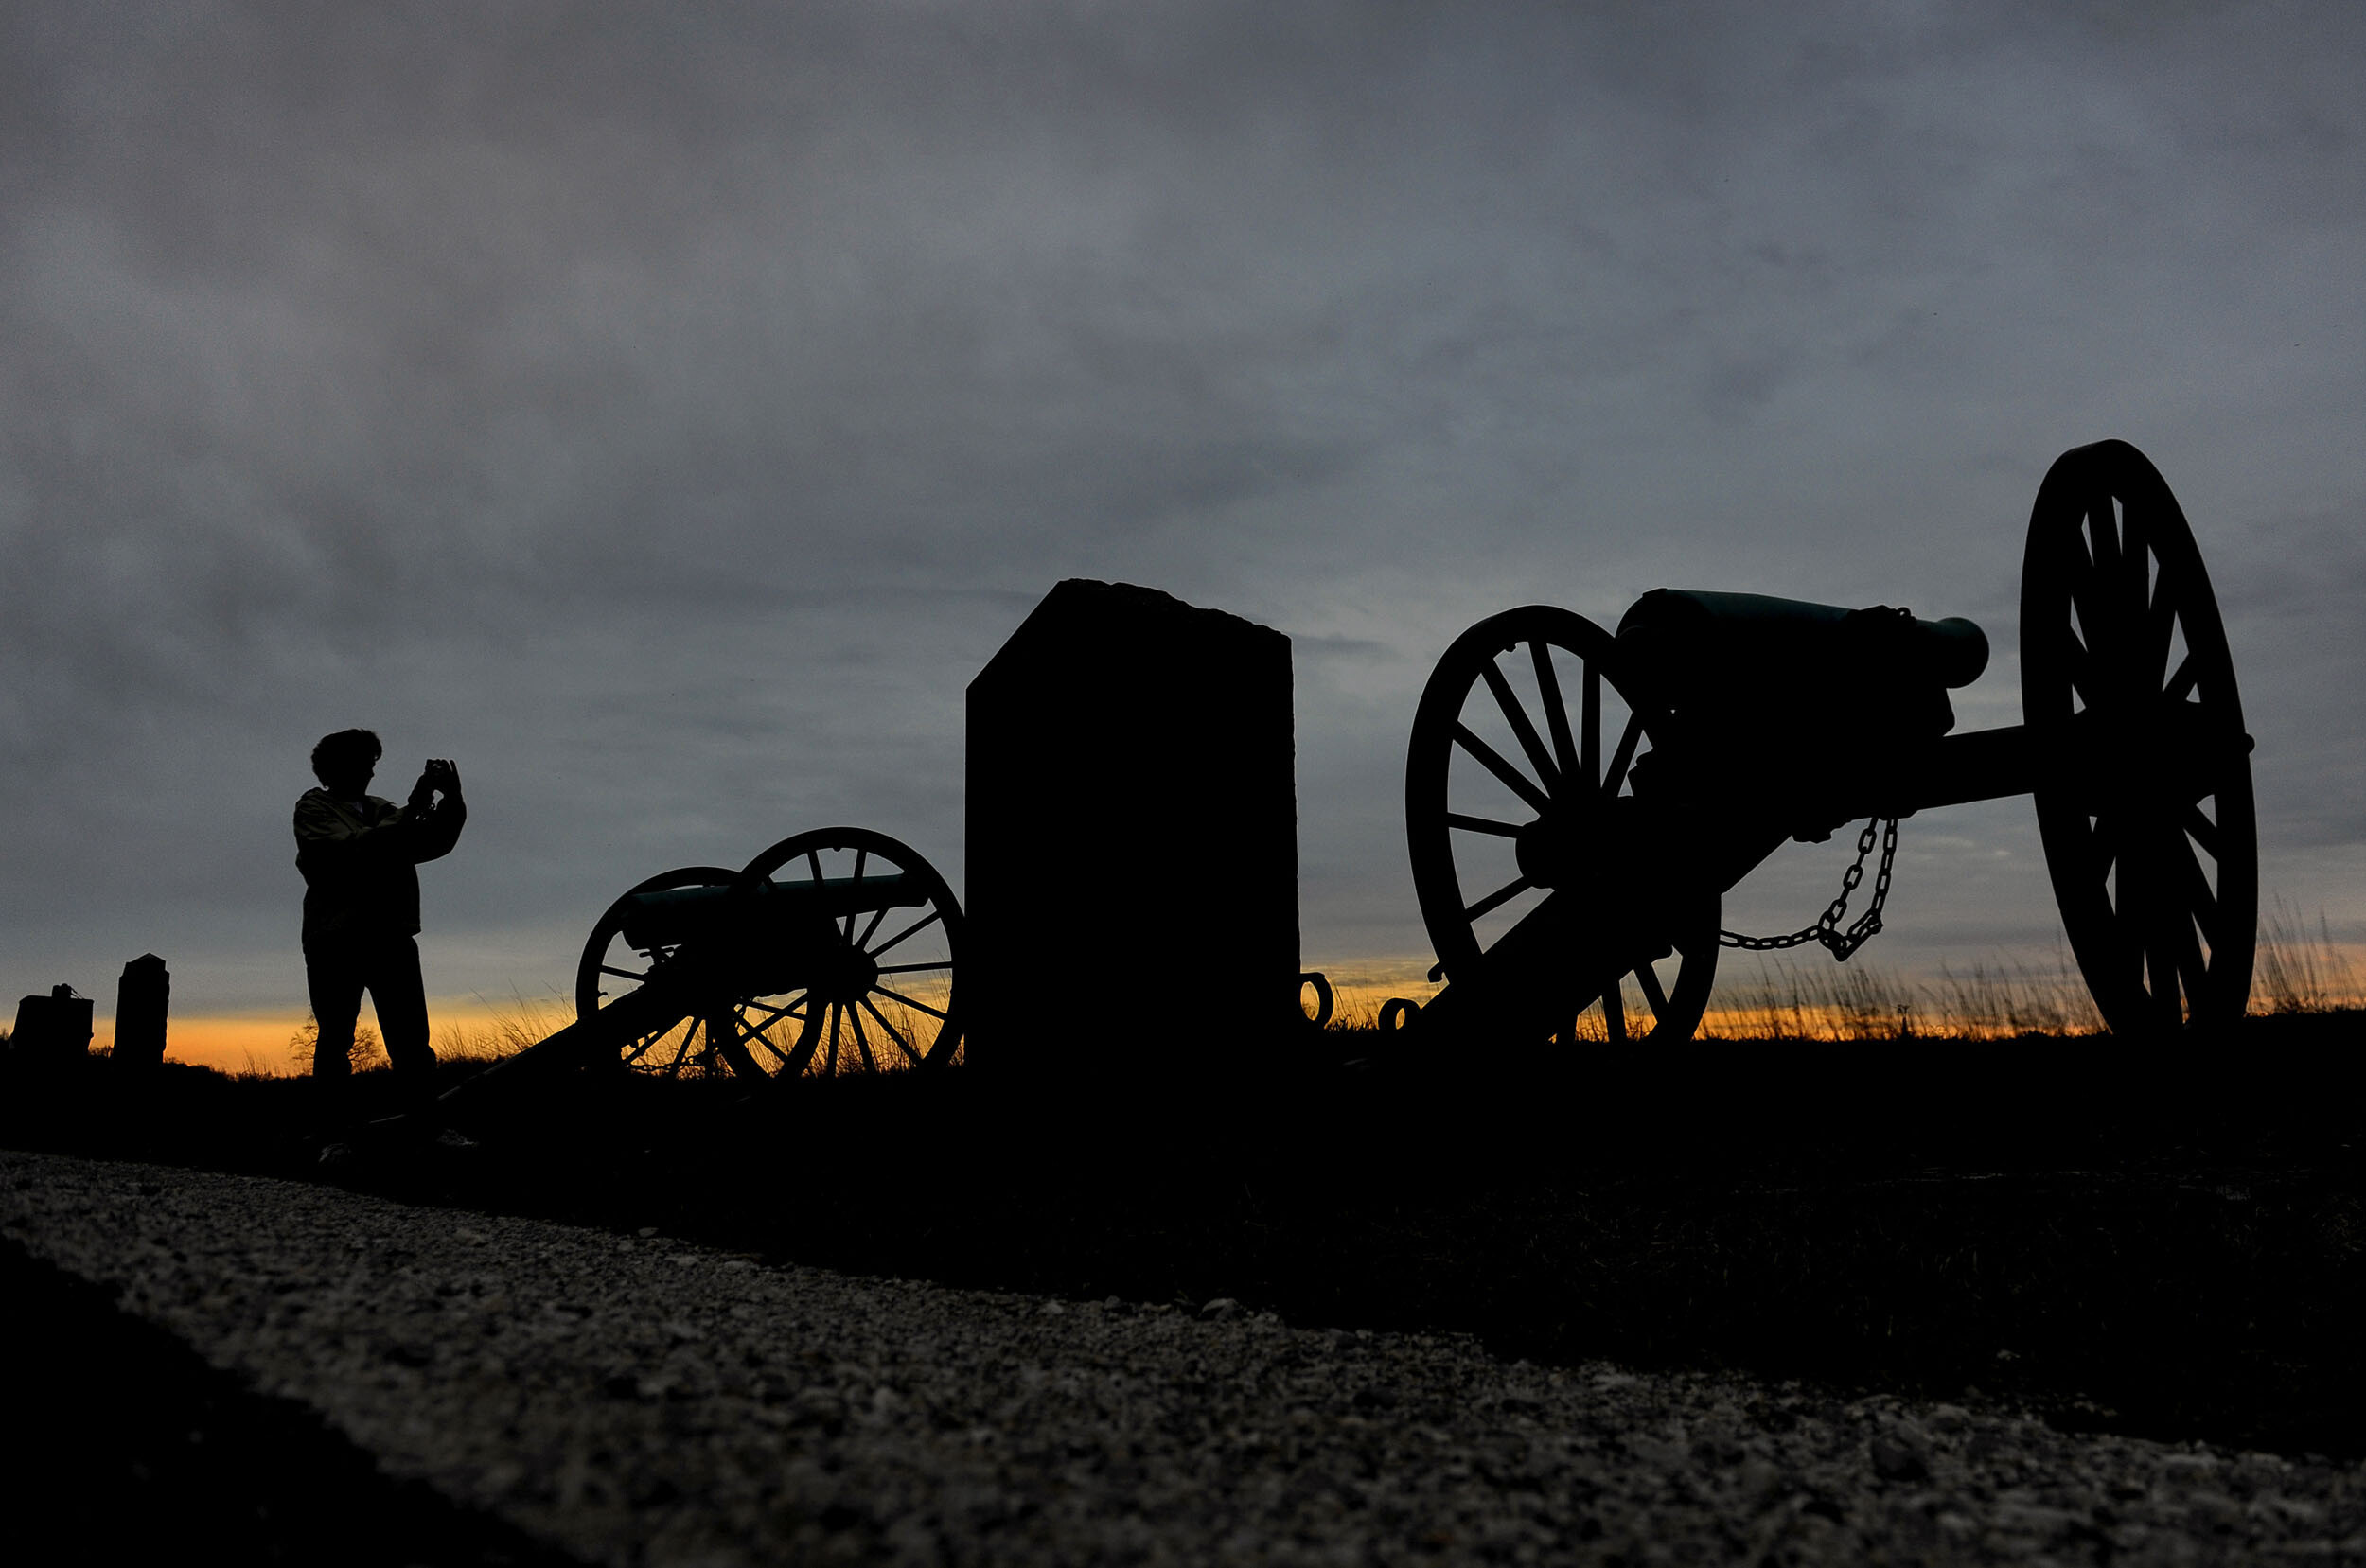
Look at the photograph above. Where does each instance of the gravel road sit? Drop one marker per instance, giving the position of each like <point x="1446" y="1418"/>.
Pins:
<point x="635" y="1400"/>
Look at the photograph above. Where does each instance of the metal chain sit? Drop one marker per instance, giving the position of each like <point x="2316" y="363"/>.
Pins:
<point x="1827" y="930"/>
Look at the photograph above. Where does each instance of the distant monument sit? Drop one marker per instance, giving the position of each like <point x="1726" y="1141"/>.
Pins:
<point x="1132" y="835"/>
<point x="53" y="1031"/>
<point x="143" y="996"/>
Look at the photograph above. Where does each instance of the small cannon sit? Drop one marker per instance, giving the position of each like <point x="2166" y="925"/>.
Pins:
<point x="831" y="951"/>
<point x="1576" y="812"/>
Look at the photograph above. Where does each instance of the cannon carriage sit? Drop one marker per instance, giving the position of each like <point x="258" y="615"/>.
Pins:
<point x="832" y="947"/>
<point x="1579" y="802"/>
<point x="832" y="950"/>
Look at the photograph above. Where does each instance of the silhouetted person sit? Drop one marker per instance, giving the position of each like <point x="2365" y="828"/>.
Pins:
<point x="360" y="856"/>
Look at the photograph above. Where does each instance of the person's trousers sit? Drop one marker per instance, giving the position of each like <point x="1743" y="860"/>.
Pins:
<point x="388" y="968"/>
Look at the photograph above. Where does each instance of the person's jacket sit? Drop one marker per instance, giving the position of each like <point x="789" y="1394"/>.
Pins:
<point x="360" y="873"/>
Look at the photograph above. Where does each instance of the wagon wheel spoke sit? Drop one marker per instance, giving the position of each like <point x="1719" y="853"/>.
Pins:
<point x="1590" y="728"/>
<point x="1482" y="824"/>
<point x="672" y="1064"/>
<point x="915" y="968"/>
<point x="1523" y="729"/>
<point x="2201" y="829"/>
<point x="2090" y="625"/>
<point x="1647" y="978"/>
<point x="878" y="916"/>
<point x="893" y="1033"/>
<point x="2147" y="602"/>
<point x="787" y="1056"/>
<point x="2160" y="635"/>
<point x="2080" y="667"/>
<point x="784" y="1045"/>
<point x="2132" y="586"/>
<point x="1567" y="758"/>
<point x="1615" y="1012"/>
<point x="862" y="1041"/>
<point x="1514" y="780"/>
<point x="2149" y="619"/>
<point x="861" y="855"/>
<point x="2161" y="968"/>
<point x="1497" y="899"/>
<point x="663" y="1051"/>
<point x="2192" y="967"/>
<point x="773" y="1015"/>
<point x="913" y="929"/>
<point x="729" y="1032"/>
<point x="2103" y="847"/>
<point x="2111" y="553"/>
<point x="2197" y="898"/>
<point x="1624" y="756"/>
<point x="913" y="1002"/>
<point x="2173" y="914"/>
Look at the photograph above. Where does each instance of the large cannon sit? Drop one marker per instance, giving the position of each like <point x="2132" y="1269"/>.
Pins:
<point x="1578" y="803"/>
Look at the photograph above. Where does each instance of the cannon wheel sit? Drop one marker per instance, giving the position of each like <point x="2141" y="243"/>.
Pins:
<point x="1476" y="772"/>
<point x="893" y="1006"/>
<point x="2157" y="875"/>
<point x="703" y="1045"/>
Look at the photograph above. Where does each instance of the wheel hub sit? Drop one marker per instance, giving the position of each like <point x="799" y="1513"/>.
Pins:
<point x="846" y="973"/>
<point x="1569" y="845"/>
<point x="1547" y="850"/>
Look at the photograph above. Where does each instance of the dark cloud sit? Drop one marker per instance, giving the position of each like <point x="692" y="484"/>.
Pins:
<point x="666" y="409"/>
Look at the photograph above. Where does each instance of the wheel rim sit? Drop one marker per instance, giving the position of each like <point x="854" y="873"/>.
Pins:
<point x="692" y="1045"/>
<point x="2157" y="875"/>
<point x="1525" y="718"/>
<point x="890" y="1004"/>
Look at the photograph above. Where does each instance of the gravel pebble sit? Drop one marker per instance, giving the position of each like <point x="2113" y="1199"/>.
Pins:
<point x="638" y="1400"/>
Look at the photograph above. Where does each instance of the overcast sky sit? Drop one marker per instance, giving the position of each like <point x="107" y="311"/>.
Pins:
<point x="665" y="411"/>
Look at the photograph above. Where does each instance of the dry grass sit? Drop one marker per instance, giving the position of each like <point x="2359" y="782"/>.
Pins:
<point x="1792" y="999"/>
<point x="1356" y="1012"/>
<point x="2300" y="969"/>
<point x="2299" y="972"/>
<point x="509" y="1028"/>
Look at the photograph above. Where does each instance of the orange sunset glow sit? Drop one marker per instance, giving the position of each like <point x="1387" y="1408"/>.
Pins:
<point x="258" y="1042"/>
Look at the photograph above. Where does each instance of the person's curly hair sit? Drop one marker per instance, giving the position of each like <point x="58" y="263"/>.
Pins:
<point x="342" y="752"/>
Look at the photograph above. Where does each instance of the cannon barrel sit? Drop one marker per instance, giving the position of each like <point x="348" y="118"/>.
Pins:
<point x="1705" y="655"/>
<point x="676" y="915"/>
<point x="1706" y="630"/>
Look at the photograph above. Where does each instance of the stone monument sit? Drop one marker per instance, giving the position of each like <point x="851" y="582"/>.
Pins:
<point x="1132" y="853"/>
<point x="143" y="996"/>
<point x="51" y="1031"/>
